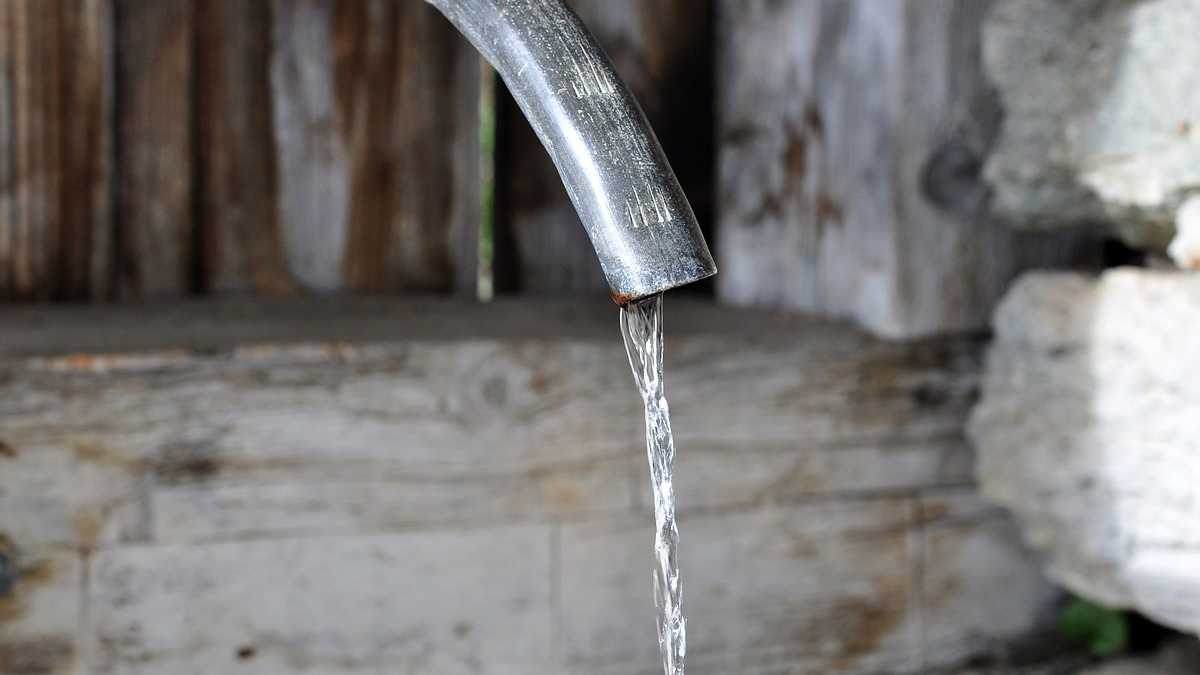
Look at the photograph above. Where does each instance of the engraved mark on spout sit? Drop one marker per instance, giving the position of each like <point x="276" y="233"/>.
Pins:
<point x="647" y="207"/>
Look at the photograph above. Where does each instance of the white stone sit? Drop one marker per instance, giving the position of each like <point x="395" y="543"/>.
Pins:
<point x="1185" y="247"/>
<point x="1089" y="431"/>
<point x="1102" y="113"/>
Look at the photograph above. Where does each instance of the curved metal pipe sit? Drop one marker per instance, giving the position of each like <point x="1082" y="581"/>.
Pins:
<point x="614" y="169"/>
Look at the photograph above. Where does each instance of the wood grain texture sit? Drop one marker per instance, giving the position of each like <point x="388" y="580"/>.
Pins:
<point x="155" y="234"/>
<point x="444" y="498"/>
<point x="852" y="136"/>
<point x="800" y="588"/>
<point x="461" y="602"/>
<point x="239" y="244"/>
<point x="662" y="50"/>
<point x="55" y="140"/>
<point x="375" y="108"/>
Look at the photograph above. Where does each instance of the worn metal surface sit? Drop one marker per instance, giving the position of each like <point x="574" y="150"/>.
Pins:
<point x="662" y="50"/>
<point x="614" y="169"/>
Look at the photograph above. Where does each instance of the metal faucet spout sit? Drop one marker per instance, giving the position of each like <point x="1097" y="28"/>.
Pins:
<point x="610" y="161"/>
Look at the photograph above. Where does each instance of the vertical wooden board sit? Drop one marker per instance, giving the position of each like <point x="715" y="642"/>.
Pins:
<point x="816" y="588"/>
<point x="154" y="147"/>
<point x="953" y="259"/>
<point x="662" y="50"/>
<point x="474" y="601"/>
<point x="239" y="242"/>
<point x="376" y="114"/>
<point x="55" y="98"/>
<point x="806" y="95"/>
<point x="312" y="160"/>
<point x="851" y="140"/>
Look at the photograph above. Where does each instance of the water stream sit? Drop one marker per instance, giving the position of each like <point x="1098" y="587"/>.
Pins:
<point x="641" y="326"/>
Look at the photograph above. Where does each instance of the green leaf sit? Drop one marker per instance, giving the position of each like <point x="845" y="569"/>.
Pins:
<point x="1105" y="631"/>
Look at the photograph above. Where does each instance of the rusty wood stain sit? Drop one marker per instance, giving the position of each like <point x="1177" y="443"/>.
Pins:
<point x="22" y="580"/>
<point x="828" y="209"/>
<point x="562" y="493"/>
<point x="96" y="453"/>
<point x="866" y="622"/>
<point x="40" y="656"/>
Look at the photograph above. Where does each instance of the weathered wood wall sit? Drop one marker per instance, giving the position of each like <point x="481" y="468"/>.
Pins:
<point x="275" y="146"/>
<point x="163" y="148"/>
<point x="398" y="492"/>
<point x="324" y="145"/>
<point x="56" y="82"/>
<point x="852" y="137"/>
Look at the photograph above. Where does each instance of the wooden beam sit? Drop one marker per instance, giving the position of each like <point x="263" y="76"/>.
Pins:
<point x="478" y="453"/>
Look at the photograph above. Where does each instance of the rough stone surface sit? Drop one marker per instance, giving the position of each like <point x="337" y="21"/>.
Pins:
<point x="1185" y="248"/>
<point x="1102" y="113"/>
<point x="1088" y="432"/>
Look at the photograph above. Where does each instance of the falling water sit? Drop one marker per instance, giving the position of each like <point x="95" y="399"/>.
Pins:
<point x="641" y="325"/>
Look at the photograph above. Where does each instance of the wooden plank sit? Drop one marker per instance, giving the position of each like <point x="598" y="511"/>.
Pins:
<point x="467" y="602"/>
<point x="55" y="98"/>
<point x="289" y="441"/>
<point x="479" y="497"/>
<point x="851" y="140"/>
<point x="154" y="147"/>
<point x="817" y="588"/>
<point x="375" y="110"/>
<point x="662" y="51"/>
<point x="498" y="428"/>
<point x="239" y="240"/>
<point x="842" y="415"/>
